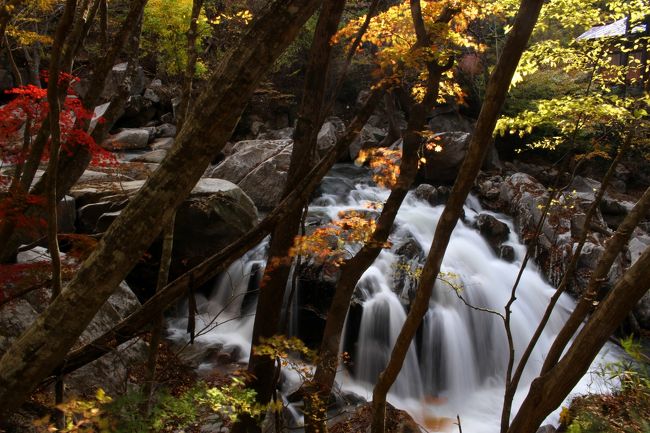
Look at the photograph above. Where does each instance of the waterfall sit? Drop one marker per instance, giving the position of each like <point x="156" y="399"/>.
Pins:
<point x="457" y="363"/>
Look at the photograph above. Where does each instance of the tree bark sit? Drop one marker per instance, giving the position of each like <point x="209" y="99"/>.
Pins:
<point x="549" y="390"/>
<point x="594" y="292"/>
<point x="157" y="327"/>
<point x="192" y="56"/>
<point x="54" y="102"/>
<point x="354" y="268"/>
<point x="303" y="156"/>
<point x="495" y="95"/>
<point x="31" y="358"/>
<point x="512" y="381"/>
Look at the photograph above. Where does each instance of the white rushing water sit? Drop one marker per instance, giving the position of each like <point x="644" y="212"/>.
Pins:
<point x="457" y="364"/>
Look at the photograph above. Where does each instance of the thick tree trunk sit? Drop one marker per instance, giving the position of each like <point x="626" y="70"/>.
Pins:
<point x="31" y="358"/>
<point x="303" y="156"/>
<point x="495" y="95"/>
<point x="549" y="390"/>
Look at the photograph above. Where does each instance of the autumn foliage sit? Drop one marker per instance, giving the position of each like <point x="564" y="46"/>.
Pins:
<point x="21" y="120"/>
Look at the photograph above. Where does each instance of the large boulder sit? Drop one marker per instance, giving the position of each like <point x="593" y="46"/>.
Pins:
<point x="450" y="120"/>
<point x="259" y="167"/>
<point x="442" y="164"/>
<point x="128" y="139"/>
<point x="117" y="75"/>
<point x="216" y="213"/>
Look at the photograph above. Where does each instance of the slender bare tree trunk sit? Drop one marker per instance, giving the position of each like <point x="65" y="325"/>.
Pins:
<point x="512" y="380"/>
<point x="303" y="158"/>
<point x="44" y="345"/>
<point x="353" y="269"/>
<point x="54" y="101"/>
<point x="192" y="56"/>
<point x="157" y="327"/>
<point x="495" y="95"/>
<point x="549" y="390"/>
<point x="594" y="292"/>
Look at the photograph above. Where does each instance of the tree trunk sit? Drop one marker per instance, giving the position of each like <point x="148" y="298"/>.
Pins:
<point x="157" y="327"/>
<point x="495" y="95"/>
<point x="192" y="56"/>
<point x="512" y="380"/>
<point x="303" y="156"/>
<point x="594" y="293"/>
<point x="354" y="268"/>
<point x="43" y="346"/>
<point x="549" y="390"/>
<point x="54" y="102"/>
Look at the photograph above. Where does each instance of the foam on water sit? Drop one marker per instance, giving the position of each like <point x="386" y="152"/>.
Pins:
<point x="458" y="364"/>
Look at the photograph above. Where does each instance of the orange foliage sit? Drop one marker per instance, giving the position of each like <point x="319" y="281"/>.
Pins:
<point x="384" y="164"/>
<point x="332" y="244"/>
<point x="391" y="40"/>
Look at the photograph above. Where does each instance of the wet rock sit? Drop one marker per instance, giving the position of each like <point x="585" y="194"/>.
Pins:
<point x="166" y="130"/>
<point x="637" y="246"/>
<point x="494" y="231"/>
<point x="327" y="138"/>
<point x="433" y="195"/>
<point x="137" y="111"/>
<point x="150" y="95"/>
<point x="548" y="428"/>
<point x="507" y="253"/>
<point x="370" y="136"/>
<point x="165" y="143"/>
<point x="117" y="75"/>
<point x="450" y="120"/>
<point x="66" y="214"/>
<point x="585" y="188"/>
<point x="89" y="215"/>
<point x="410" y="257"/>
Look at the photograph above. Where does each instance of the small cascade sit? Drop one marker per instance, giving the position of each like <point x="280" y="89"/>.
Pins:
<point x="224" y="323"/>
<point x="458" y="361"/>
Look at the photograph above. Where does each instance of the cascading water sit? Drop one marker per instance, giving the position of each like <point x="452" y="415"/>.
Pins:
<point x="458" y="362"/>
